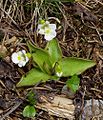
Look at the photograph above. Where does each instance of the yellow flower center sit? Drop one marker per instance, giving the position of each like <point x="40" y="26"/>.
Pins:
<point x="19" y="57"/>
<point x="48" y="31"/>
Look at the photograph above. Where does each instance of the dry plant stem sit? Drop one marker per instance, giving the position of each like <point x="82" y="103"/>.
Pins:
<point x="32" y="21"/>
<point x="41" y="88"/>
<point x="82" y="106"/>
<point x="35" y="20"/>
<point x="65" y="23"/>
<point x="9" y="10"/>
<point x="97" y="117"/>
<point x="5" y="4"/>
<point x="10" y="17"/>
<point x="93" y="27"/>
<point x="65" y="27"/>
<point x="99" y="55"/>
<point x="54" y="18"/>
<point x="3" y="8"/>
<point x="1" y="12"/>
<point x="86" y="5"/>
<point x="97" y="1"/>
<point x="3" y="41"/>
<point x="59" y="106"/>
<point x="2" y="84"/>
<point x="13" y="12"/>
<point x="21" y="12"/>
<point x="97" y="90"/>
<point x="98" y="33"/>
<point x="28" y="35"/>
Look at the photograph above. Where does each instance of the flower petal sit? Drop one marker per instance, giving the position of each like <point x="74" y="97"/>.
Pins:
<point x="27" y="59"/>
<point x="50" y="36"/>
<point x="40" y="26"/>
<point x="47" y="23"/>
<point x="47" y="37"/>
<point x="41" y="31"/>
<point x="21" y="63"/>
<point x="23" y="51"/>
<point x="59" y="74"/>
<point x="52" y="26"/>
<point x="14" y="58"/>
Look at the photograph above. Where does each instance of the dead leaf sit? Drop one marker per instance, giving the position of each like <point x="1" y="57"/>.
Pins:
<point x="11" y="40"/>
<point x="3" y="51"/>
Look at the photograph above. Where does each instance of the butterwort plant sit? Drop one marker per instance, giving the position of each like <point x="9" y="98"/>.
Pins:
<point x="50" y="64"/>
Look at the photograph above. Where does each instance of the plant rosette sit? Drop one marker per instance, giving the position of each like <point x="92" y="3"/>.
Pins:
<point x="50" y="64"/>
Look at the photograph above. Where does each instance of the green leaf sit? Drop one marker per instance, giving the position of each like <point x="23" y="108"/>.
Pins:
<point x="71" y="66"/>
<point x="32" y="77"/>
<point x="73" y="83"/>
<point x="41" y="58"/>
<point x="31" y="98"/>
<point x="54" y="77"/>
<point x="29" y="111"/>
<point x="54" y="51"/>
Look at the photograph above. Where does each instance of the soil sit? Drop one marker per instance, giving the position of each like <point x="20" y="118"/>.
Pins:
<point x="80" y="34"/>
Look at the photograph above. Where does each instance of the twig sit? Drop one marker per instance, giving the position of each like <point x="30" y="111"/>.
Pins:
<point x="99" y="2"/>
<point x="98" y="33"/>
<point x="66" y="26"/>
<point x="14" y="9"/>
<point x="10" y="17"/>
<point x="4" y="8"/>
<point x="17" y="104"/>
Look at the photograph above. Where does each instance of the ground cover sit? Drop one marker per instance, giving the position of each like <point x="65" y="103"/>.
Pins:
<point x="79" y="33"/>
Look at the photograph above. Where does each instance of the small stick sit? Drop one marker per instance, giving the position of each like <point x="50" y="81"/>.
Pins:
<point x="17" y="104"/>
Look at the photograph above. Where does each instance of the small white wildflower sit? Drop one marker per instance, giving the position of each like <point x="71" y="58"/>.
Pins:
<point x="48" y="30"/>
<point x="59" y="74"/>
<point x="20" y="58"/>
<point x="58" y="70"/>
<point x="41" y="27"/>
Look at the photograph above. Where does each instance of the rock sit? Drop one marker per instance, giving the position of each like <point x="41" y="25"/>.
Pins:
<point x="93" y="110"/>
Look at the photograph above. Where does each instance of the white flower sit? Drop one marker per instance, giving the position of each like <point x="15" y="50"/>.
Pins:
<point x="59" y="74"/>
<point x="48" y="30"/>
<point x="41" y="27"/>
<point x="20" y="58"/>
<point x="58" y="70"/>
